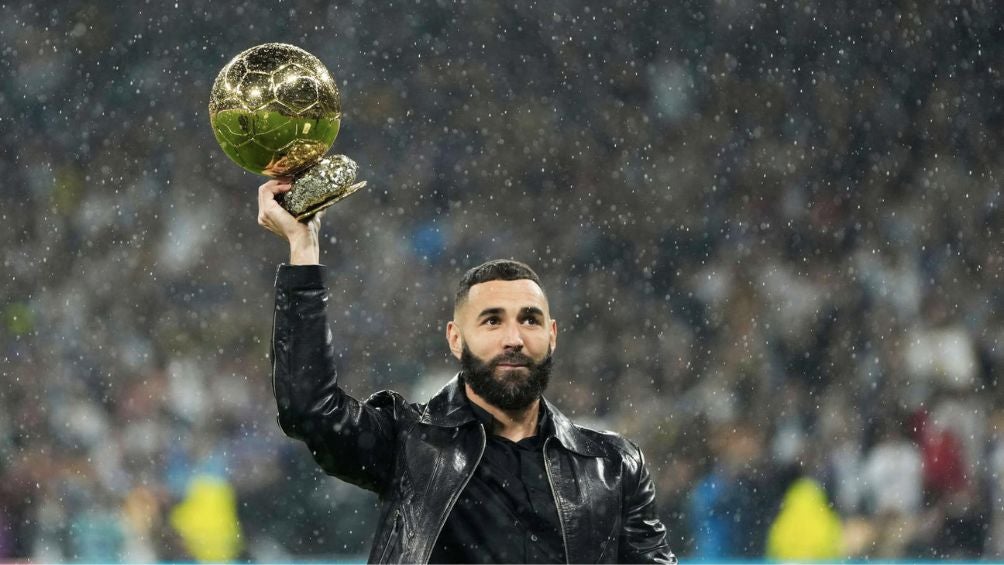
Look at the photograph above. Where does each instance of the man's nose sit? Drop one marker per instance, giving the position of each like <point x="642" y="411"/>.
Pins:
<point x="512" y="338"/>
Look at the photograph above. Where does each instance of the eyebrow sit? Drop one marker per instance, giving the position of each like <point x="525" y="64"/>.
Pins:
<point x="490" y="312"/>
<point x="524" y="312"/>
<point x="528" y="311"/>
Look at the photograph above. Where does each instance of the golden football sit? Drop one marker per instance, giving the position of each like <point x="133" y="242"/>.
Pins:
<point x="275" y="109"/>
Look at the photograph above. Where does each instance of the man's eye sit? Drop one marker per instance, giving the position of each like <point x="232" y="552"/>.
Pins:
<point x="532" y="321"/>
<point x="491" y="321"/>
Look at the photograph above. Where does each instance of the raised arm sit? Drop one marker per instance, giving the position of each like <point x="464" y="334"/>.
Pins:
<point x="349" y="439"/>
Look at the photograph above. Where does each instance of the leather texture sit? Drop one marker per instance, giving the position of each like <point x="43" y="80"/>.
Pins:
<point x="419" y="457"/>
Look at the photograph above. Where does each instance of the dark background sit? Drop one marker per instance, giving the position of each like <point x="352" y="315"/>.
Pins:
<point x="770" y="233"/>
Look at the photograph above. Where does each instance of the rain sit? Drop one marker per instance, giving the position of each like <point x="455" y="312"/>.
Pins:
<point x="770" y="234"/>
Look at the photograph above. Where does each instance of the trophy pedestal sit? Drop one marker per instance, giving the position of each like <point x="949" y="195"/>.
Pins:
<point x="320" y="186"/>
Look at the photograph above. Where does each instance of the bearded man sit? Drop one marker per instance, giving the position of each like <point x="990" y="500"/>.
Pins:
<point x="488" y="470"/>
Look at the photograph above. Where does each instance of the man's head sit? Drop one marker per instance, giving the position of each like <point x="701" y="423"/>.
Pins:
<point x="502" y="333"/>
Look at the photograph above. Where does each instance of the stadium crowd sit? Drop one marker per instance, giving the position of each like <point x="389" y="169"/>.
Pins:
<point x="770" y="234"/>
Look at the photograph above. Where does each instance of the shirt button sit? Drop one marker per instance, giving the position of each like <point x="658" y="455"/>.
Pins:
<point x="533" y="537"/>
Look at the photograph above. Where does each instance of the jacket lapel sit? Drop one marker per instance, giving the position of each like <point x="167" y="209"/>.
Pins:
<point x="571" y="437"/>
<point x="448" y="407"/>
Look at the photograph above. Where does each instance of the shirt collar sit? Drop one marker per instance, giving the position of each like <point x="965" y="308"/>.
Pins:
<point x="449" y="408"/>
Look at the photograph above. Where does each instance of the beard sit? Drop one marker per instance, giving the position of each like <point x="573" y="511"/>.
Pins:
<point x="511" y="391"/>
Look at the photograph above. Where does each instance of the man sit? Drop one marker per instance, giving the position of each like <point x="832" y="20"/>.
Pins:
<point x="487" y="470"/>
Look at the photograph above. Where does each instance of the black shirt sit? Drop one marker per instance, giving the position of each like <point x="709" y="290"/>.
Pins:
<point x="506" y="513"/>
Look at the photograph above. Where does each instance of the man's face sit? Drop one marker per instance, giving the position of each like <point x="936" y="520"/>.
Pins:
<point x="503" y="335"/>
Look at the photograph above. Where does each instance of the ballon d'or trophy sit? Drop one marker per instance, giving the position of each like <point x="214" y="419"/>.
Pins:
<point x="276" y="110"/>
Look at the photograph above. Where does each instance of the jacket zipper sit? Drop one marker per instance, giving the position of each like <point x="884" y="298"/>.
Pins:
<point x="456" y="495"/>
<point x="275" y="354"/>
<point x="557" y="506"/>
<point x="390" y="538"/>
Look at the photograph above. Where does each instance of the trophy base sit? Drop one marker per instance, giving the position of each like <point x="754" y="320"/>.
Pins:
<point x="330" y="199"/>
<point x="331" y="180"/>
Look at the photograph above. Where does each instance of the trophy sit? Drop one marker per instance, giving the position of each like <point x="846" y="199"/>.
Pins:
<point x="275" y="110"/>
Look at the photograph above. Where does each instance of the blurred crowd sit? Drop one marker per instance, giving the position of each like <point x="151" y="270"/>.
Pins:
<point x="770" y="234"/>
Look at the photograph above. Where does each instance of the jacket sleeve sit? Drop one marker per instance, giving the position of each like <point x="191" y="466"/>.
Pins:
<point x="643" y="535"/>
<point x="352" y="440"/>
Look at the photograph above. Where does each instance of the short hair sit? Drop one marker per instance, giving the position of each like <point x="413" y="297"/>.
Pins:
<point x="495" y="270"/>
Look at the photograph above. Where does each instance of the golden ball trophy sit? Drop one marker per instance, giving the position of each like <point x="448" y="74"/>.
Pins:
<point x="275" y="110"/>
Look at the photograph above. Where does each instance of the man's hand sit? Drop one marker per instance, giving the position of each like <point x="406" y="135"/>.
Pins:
<point x="303" y="240"/>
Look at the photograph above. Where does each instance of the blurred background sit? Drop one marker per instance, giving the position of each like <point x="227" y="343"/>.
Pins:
<point x="770" y="232"/>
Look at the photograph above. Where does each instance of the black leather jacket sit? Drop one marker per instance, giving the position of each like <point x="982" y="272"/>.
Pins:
<point x="419" y="457"/>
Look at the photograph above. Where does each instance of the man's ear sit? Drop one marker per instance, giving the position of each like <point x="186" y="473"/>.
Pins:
<point x="554" y="335"/>
<point x="454" y="338"/>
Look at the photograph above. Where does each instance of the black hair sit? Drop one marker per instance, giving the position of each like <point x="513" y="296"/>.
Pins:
<point x="495" y="270"/>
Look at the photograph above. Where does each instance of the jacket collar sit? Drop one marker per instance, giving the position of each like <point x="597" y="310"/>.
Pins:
<point x="449" y="408"/>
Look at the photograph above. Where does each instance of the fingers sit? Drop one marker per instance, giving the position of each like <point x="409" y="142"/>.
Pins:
<point x="270" y="214"/>
<point x="277" y="219"/>
<point x="276" y="185"/>
<point x="267" y="191"/>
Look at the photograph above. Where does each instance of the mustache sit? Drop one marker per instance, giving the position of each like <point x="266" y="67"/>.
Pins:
<point x="512" y="358"/>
